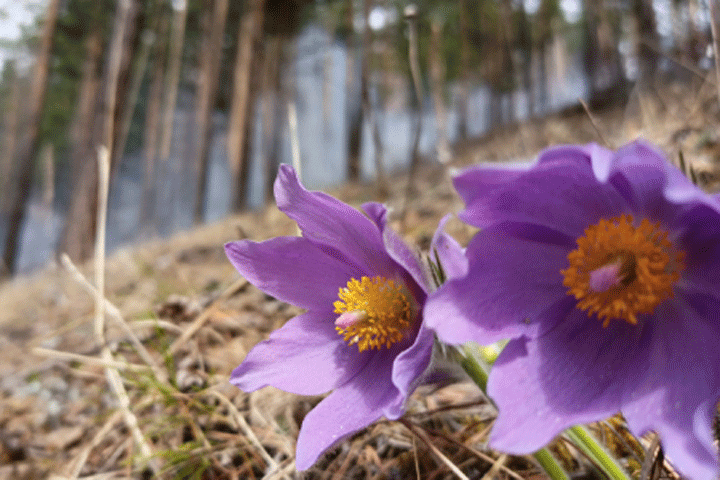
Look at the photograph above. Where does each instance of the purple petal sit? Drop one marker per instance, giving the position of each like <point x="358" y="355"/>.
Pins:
<point x="306" y="356"/>
<point x="576" y="373"/>
<point x="396" y="248"/>
<point x="412" y="363"/>
<point x="677" y="394"/>
<point x="352" y="407"/>
<point x="559" y="194"/>
<point x="276" y="265"/>
<point x="700" y="240"/>
<point x="376" y="212"/>
<point x="640" y="175"/>
<point x="449" y="252"/>
<point x="337" y="228"/>
<point x="510" y="281"/>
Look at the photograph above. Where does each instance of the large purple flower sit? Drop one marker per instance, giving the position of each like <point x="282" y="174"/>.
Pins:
<point x="603" y="270"/>
<point x="362" y="335"/>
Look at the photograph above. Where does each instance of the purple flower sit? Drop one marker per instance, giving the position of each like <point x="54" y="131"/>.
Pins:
<point x="362" y="335"/>
<point x="603" y="270"/>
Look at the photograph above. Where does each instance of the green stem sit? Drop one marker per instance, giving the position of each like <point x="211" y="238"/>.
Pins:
<point x="476" y="360"/>
<point x="582" y="438"/>
<point x="479" y="375"/>
<point x="550" y="465"/>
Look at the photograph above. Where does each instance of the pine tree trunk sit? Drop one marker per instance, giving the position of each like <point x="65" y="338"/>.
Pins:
<point x="647" y="37"/>
<point x="353" y="110"/>
<point x="380" y="177"/>
<point x="11" y="131"/>
<point x="78" y="237"/>
<point x="207" y="90"/>
<point x="437" y="74"/>
<point x="273" y="93"/>
<point x="242" y="111"/>
<point x="414" y="54"/>
<point x="464" y="72"/>
<point x="172" y="78"/>
<point x="152" y="128"/>
<point x="81" y="129"/>
<point x="31" y="144"/>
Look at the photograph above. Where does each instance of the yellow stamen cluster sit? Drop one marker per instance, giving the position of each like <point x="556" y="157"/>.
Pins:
<point x="648" y="266"/>
<point x="386" y="314"/>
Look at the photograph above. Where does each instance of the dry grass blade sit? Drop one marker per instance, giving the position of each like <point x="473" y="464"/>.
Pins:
<point x="76" y="357"/>
<point x="496" y="466"/>
<point x="112" y="374"/>
<point x="594" y="123"/>
<point x="420" y="433"/>
<point x="205" y="316"/>
<point x="82" y="458"/>
<point x="243" y="425"/>
<point x="114" y="312"/>
<point x="650" y="460"/>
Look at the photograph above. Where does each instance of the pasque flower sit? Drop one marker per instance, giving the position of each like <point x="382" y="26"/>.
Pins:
<point x="602" y="269"/>
<point x="363" y="334"/>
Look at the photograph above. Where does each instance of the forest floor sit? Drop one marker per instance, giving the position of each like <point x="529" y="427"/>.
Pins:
<point x="180" y="319"/>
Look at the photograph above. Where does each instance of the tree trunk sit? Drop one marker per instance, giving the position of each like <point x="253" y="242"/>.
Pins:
<point x="274" y="96"/>
<point x="10" y="128"/>
<point x="148" y="37"/>
<point x="464" y="72"/>
<point x="242" y="111"/>
<point x="26" y="158"/>
<point x="591" y="52"/>
<point x="152" y="128"/>
<point x="647" y="37"/>
<point x="211" y="52"/>
<point x="353" y="109"/>
<point x="380" y="180"/>
<point x="80" y="226"/>
<point x="172" y="77"/>
<point x="81" y="129"/>
<point x="414" y="54"/>
<point x="437" y="73"/>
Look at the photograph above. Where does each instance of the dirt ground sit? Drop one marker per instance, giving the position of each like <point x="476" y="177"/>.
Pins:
<point x="152" y="399"/>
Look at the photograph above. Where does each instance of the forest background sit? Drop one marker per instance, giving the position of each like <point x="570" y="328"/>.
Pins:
<point x="196" y="99"/>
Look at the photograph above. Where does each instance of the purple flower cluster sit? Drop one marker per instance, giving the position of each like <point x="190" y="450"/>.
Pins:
<point x="600" y="268"/>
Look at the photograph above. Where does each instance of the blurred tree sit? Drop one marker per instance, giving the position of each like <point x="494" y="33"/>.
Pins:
<point x="274" y="91"/>
<point x="153" y="119"/>
<point x="31" y="143"/>
<point x="78" y="237"/>
<point x="646" y="40"/>
<point x="11" y="108"/>
<point x="524" y="65"/>
<point x="437" y="72"/>
<point x="247" y="65"/>
<point x="213" y="26"/>
<point x="464" y="70"/>
<point x="602" y="61"/>
<point x="546" y="15"/>
<point x="353" y="102"/>
<point x="365" y="62"/>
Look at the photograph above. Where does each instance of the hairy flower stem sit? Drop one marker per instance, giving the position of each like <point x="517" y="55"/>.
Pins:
<point x="581" y="437"/>
<point x="474" y="360"/>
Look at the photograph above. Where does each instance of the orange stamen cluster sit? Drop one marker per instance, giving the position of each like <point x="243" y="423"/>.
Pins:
<point x="642" y="263"/>
<point x="381" y="313"/>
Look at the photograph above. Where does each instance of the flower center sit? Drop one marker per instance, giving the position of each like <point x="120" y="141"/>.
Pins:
<point x="619" y="270"/>
<point x="374" y="312"/>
